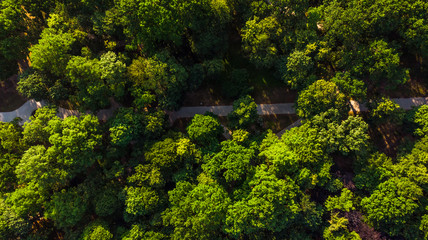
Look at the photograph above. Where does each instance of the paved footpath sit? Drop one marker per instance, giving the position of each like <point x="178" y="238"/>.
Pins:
<point x="30" y="106"/>
<point x="27" y="109"/>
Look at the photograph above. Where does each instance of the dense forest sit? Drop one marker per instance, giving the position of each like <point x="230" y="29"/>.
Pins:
<point x="136" y="176"/>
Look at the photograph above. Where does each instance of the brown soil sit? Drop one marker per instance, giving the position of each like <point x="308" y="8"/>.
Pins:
<point x="366" y="232"/>
<point x="10" y="98"/>
<point x="204" y="96"/>
<point x="275" y="95"/>
<point x="278" y="122"/>
<point x="387" y="137"/>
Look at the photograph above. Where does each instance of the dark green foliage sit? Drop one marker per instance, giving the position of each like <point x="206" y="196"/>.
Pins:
<point x="237" y="84"/>
<point x="132" y="178"/>
<point x="161" y="75"/>
<point x="34" y="85"/>
<point x="11" y="225"/>
<point x="350" y="86"/>
<point x="204" y="130"/>
<point x="67" y="207"/>
<point x="13" y="41"/>
<point x="107" y="201"/>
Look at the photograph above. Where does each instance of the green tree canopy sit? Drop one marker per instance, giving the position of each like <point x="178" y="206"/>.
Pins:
<point x="204" y="130"/>
<point x="196" y="212"/>
<point x="325" y="94"/>
<point x="244" y="113"/>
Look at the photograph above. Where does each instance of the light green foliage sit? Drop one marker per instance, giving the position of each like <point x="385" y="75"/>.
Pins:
<point x="325" y="94"/>
<point x="392" y="205"/>
<point x="338" y="230"/>
<point x="196" y="212"/>
<point x="350" y="86"/>
<point x="66" y="208"/>
<point x="259" y="37"/>
<point x="97" y="80"/>
<point x="97" y="230"/>
<point x="141" y="201"/>
<point x="421" y="118"/>
<point x="344" y="202"/>
<point x="38" y="166"/>
<point x="413" y="165"/>
<point x="204" y="130"/>
<point x="271" y="205"/>
<point x="147" y="175"/>
<point x="299" y="155"/>
<point x="137" y="233"/>
<point x="232" y="163"/>
<point x="244" y="113"/>
<point x="385" y="110"/>
<point x="351" y="135"/>
<point x="74" y="141"/>
<point x="51" y="54"/>
<point x="161" y="75"/>
<point x="113" y="73"/>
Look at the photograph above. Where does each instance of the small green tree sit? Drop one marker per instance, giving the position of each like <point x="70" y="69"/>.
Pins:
<point x="97" y="230"/>
<point x="338" y="230"/>
<point x="67" y="208"/>
<point x="320" y="97"/>
<point x="392" y="205"/>
<point x="204" y="130"/>
<point x="244" y="113"/>
<point x="196" y="212"/>
<point x="384" y="110"/>
<point x="52" y="52"/>
<point x="351" y="86"/>
<point x="259" y="37"/>
<point x="344" y="202"/>
<point x="421" y="118"/>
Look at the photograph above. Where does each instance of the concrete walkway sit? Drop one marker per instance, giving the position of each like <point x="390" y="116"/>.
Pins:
<point x="222" y="111"/>
<point x="25" y="111"/>
<point x="30" y="106"/>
